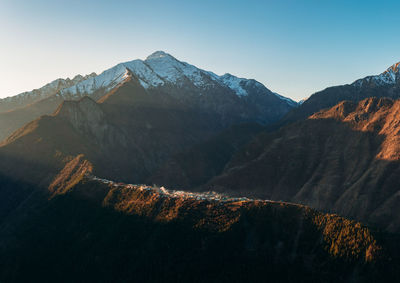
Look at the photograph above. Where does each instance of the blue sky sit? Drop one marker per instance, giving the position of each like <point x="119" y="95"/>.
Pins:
<point x="294" y="47"/>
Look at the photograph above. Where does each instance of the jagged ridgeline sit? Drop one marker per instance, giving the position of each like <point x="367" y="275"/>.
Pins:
<point x="344" y="160"/>
<point x="131" y="118"/>
<point x="98" y="230"/>
<point x="230" y="97"/>
<point x="386" y="84"/>
<point x="163" y="121"/>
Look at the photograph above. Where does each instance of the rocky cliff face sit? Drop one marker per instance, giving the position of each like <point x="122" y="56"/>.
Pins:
<point x="343" y="160"/>
<point x="88" y="118"/>
<point x="126" y="136"/>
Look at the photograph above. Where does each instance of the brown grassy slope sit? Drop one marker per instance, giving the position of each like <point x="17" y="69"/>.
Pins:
<point x="12" y="120"/>
<point x="37" y="152"/>
<point x="101" y="232"/>
<point x="341" y="237"/>
<point x="331" y="96"/>
<point x="343" y="160"/>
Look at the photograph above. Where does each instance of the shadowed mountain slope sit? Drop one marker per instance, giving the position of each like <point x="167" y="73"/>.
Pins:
<point x="225" y="95"/>
<point x="97" y="230"/>
<point x="125" y="137"/>
<point x="197" y="165"/>
<point x="343" y="160"/>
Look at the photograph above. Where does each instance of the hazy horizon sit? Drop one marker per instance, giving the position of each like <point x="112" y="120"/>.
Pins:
<point x="294" y="49"/>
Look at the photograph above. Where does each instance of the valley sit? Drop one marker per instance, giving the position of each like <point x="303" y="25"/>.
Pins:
<point x="156" y="170"/>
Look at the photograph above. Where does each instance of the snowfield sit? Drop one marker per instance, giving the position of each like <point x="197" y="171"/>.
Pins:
<point x="161" y="69"/>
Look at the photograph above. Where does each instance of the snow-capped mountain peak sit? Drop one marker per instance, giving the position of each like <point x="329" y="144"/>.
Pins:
<point x="161" y="68"/>
<point x="391" y="74"/>
<point x="235" y="99"/>
<point x="169" y="68"/>
<point x="157" y="70"/>
<point x="158" y="54"/>
<point x="389" y="77"/>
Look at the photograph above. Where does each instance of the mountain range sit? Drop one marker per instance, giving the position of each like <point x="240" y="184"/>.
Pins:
<point x="386" y="84"/>
<point x="228" y="145"/>
<point x="342" y="160"/>
<point x="234" y="99"/>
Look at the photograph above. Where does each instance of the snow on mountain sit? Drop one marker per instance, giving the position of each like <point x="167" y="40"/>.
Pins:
<point x="389" y="77"/>
<point x="157" y="70"/>
<point x="147" y="77"/>
<point x="48" y="90"/>
<point x="288" y="100"/>
<point x="106" y="80"/>
<point x="173" y="71"/>
<point x="301" y="101"/>
<point x="234" y="83"/>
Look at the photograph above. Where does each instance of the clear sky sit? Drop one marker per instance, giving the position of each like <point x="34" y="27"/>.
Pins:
<point x="293" y="47"/>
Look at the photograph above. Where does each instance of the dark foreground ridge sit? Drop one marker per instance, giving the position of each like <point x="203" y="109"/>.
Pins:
<point x="94" y="230"/>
